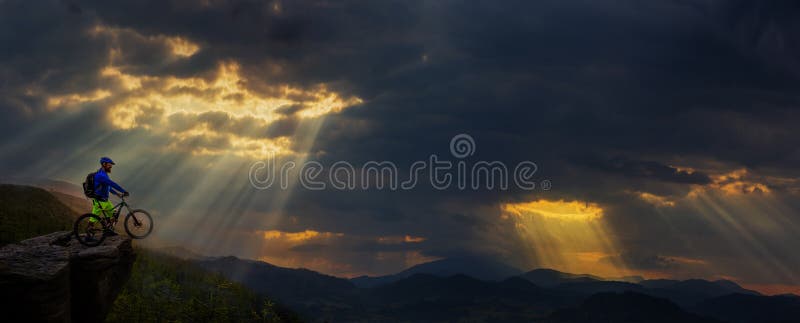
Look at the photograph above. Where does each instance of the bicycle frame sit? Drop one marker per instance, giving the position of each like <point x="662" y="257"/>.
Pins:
<point x="117" y="209"/>
<point x="119" y="206"/>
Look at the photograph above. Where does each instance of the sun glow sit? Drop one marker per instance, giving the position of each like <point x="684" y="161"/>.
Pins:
<point x="54" y="102"/>
<point x="565" y="235"/>
<point x="400" y="239"/>
<point x="655" y="200"/>
<point x="298" y="236"/>
<point x="226" y="92"/>
<point x="736" y="183"/>
<point x="570" y="211"/>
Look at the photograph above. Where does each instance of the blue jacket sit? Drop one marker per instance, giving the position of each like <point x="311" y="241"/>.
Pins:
<point x="103" y="184"/>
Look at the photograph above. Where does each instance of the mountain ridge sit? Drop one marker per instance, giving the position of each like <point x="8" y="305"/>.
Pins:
<point x="478" y="267"/>
<point x="419" y="296"/>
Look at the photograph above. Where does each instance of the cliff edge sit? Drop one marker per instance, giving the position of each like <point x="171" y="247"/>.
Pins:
<point x="53" y="278"/>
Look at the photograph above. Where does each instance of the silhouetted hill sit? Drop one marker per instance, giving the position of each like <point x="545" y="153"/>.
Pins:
<point x="26" y="212"/>
<point x="623" y="308"/>
<point x="50" y="185"/>
<point x="79" y="205"/>
<point x="684" y="293"/>
<point x="163" y="288"/>
<point x="418" y="298"/>
<point x="477" y="267"/>
<point x="303" y="290"/>
<point x="68" y="193"/>
<point x="629" y="279"/>
<point x="689" y="292"/>
<point x="594" y="287"/>
<point x="425" y="297"/>
<point x="741" y="308"/>
<point x="426" y="286"/>
<point x="549" y="277"/>
<point x="699" y="286"/>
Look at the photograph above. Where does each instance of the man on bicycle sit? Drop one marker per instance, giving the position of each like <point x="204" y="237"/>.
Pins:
<point x="102" y="186"/>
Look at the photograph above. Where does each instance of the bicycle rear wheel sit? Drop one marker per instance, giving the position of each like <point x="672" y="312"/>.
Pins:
<point x="138" y="224"/>
<point x="88" y="233"/>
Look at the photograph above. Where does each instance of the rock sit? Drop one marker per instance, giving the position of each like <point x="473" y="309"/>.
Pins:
<point x="53" y="278"/>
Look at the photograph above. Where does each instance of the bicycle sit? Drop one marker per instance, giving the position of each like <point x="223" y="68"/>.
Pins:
<point x="138" y="225"/>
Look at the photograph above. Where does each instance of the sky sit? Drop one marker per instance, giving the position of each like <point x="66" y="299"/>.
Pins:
<point x="666" y="131"/>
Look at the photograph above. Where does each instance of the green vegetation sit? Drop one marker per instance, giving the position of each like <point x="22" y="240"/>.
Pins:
<point x="163" y="288"/>
<point x="26" y="212"/>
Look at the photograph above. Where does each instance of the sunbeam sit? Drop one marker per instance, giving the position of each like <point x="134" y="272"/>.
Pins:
<point x="570" y="236"/>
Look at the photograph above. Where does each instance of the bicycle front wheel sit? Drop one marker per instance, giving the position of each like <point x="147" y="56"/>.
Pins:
<point x="88" y="230"/>
<point x="138" y="224"/>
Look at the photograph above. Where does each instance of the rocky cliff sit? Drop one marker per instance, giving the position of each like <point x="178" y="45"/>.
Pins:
<point x="53" y="278"/>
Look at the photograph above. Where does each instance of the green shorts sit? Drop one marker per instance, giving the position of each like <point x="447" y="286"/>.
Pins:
<point x="102" y="208"/>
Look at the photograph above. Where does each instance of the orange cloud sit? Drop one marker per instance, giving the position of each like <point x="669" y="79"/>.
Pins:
<point x="736" y="182"/>
<point x="573" y="210"/>
<point x="774" y="289"/>
<point x="401" y="239"/>
<point x="301" y="236"/>
<point x="656" y="200"/>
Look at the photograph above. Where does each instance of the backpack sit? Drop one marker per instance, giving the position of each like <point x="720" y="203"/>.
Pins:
<point x="88" y="186"/>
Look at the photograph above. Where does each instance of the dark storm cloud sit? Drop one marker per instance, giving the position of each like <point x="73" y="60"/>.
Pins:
<point x="651" y="169"/>
<point x="562" y="82"/>
<point x="45" y="48"/>
<point x="570" y="82"/>
<point x="547" y="81"/>
<point x="765" y="29"/>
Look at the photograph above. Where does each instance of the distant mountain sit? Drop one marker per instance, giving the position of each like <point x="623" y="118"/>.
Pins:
<point x="741" y="308"/>
<point x="689" y="292"/>
<point x="79" y="205"/>
<point x="304" y="290"/>
<point x="50" y="185"/>
<point x="27" y="212"/>
<point x="594" y="287"/>
<point x="426" y="297"/>
<point x="68" y="193"/>
<point x="419" y="287"/>
<point x="163" y="288"/>
<point x="425" y="293"/>
<point x="700" y="286"/>
<point x="625" y="307"/>
<point x="629" y="279"/>
<point x="549" y="277"/>
<point x="480" y="268"/>
<point x="684" y="293"/>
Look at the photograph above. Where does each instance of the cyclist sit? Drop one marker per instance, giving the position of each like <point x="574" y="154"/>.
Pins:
<point x="102" y="186"/>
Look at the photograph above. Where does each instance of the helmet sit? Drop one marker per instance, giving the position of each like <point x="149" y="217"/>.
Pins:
<point x="106" y="160"/>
